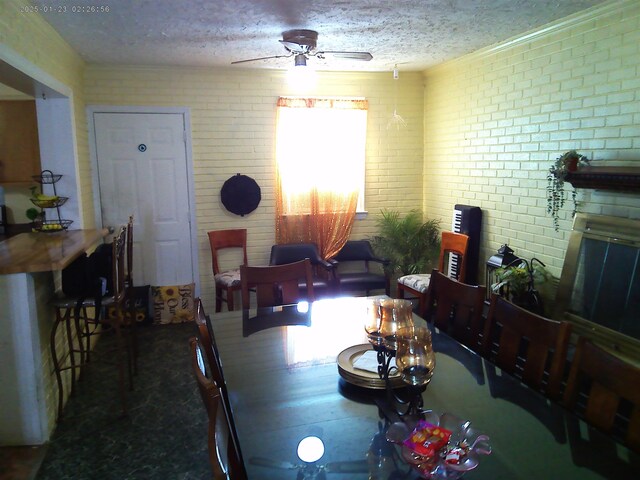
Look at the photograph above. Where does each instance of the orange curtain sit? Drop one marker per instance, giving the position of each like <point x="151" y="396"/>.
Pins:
<point x="316" y="192"/>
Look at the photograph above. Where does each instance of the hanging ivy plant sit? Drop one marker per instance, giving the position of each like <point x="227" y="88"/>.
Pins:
<point x="571" y="161"/>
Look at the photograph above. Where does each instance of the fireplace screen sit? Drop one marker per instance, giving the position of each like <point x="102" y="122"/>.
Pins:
<point x="606" y="289"/>
<point x="600" y="282"/>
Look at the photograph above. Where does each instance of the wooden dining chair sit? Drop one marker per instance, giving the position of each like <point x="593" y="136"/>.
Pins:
<point x="205" y="335"/>
<point x="227" y="281"/>
<point x="417" y="284"/>
<point x="528" y="346"/>
<point x="455" y="308"/>
<point x="277" y="284"/>
<point x="608" y="383"/>
<point x="223" y="455"/>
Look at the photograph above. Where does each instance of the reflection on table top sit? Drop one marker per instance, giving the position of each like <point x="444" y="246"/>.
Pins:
<point x="281" y="374"/>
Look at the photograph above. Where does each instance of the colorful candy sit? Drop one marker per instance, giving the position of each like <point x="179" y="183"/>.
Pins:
<point x="427" y="439"/>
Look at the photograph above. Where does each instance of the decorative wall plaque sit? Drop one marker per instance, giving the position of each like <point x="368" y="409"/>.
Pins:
<point x="240" y="194"/>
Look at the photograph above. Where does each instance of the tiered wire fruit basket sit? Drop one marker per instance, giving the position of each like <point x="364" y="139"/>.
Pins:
<point x="46" y="223"/>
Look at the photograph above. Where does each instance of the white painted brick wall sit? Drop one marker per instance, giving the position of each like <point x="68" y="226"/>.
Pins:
<point x="233" y="125"/>
<point x="502" y="118"/>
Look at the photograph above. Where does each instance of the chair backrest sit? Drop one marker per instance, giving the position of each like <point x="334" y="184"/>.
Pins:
<point x="221" y="239"/>
<point x="277" y="284"/>
<point x="294" y="252"/>
<point x="223" y="456"/>
<point x="529" y="346"/>
<point x="208" y="344"/>
<point x="609" y="380"/>
<point x="454" y="243"/>
<point x="129" y="274"/>
<point x="456" y="308"/>
<point x="118" y="264"/>
<point x="356" y="250"/>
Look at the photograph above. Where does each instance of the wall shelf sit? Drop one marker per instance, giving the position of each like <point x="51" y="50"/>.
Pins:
<point x="621" y="179"/>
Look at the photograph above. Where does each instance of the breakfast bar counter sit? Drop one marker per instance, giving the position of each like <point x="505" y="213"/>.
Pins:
<point x="44" y="252"/>
<point x="27" y="263"/>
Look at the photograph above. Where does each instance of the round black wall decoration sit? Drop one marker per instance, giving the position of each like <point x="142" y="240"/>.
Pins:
<point x="240" y="194"/>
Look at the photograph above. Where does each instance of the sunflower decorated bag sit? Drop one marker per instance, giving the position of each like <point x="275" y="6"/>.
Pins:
<point x="173" y="304"/>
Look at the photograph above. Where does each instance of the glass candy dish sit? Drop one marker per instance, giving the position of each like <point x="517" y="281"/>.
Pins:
<point x="437" y="467"/>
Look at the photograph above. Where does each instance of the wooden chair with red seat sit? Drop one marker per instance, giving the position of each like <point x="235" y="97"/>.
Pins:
<point x="608" y="381"/>
<point x="227" y="281"/>
<point x="224" y="457"/>
<point x="417" y="284"/>
<point x="277" y="284"/>
<point x="528" y="346"/>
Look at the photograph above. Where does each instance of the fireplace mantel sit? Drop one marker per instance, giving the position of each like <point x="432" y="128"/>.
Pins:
<point x="622" y="179"/>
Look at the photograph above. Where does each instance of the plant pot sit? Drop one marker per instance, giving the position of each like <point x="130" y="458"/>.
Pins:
<point x="531" y="301"/>
<point x="572" y="164"/>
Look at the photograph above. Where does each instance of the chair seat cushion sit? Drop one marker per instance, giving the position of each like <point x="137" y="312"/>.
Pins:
<point x="230" y="278"/>
<point x="418" y="282"/>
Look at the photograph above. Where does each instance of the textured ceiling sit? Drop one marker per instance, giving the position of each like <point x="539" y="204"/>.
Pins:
<point x="415" y="34"/>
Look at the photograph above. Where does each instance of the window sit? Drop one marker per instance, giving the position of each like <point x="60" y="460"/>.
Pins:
<point x="320" y="145"/>
<point x="320" y="167"/>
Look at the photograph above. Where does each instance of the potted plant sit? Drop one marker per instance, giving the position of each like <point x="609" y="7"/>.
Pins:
<point x="569" y="162"/>
<point x="410" y="243"/>
<point x="520" y="281"/>
<point x="36" y="216"/>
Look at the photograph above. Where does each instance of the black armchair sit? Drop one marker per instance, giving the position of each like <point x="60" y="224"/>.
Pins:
<point x="324" y="279"/>
<point x="362" y="280"/>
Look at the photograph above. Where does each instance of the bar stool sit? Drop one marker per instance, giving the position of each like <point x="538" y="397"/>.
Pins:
<point x="72" y="315"/>
<point x="130" y="294"/>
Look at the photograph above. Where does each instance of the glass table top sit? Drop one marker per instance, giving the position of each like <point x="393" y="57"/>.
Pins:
<point x="283" y="381"/>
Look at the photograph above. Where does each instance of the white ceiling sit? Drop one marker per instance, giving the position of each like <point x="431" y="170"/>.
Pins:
<point x="415" y="34"/>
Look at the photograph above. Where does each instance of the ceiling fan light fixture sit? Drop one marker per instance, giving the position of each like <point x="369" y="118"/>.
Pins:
<point x="300" y="60"/>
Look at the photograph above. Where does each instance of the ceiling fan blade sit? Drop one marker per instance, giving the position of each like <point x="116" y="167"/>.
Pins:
<point x="294" y="47"/>
<point x="267" y="462"/>
<point x="366" y="56"/>
<point x="261" y="58"/>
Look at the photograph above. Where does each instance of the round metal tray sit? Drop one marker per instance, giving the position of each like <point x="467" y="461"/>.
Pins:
<point x="362" y="378"/>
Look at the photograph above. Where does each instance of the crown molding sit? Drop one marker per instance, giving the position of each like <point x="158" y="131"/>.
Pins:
<point x="571" y="21"/>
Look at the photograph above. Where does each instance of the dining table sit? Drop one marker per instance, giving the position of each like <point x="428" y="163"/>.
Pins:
<point x="289" y="376"/>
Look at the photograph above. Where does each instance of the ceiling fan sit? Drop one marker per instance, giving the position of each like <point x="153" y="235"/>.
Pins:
<point x="301" y="44"/>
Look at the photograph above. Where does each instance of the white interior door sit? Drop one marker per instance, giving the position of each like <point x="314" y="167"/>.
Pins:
<point x="142" y="169"/>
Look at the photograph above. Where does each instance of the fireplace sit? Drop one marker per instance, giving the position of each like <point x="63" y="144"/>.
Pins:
<point x="599" y="289"/>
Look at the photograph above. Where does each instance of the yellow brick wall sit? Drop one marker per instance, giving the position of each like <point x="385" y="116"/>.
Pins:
<point x="233" y="129"/>
<point x="496" y="120"/>
<point x="29" y="35"/>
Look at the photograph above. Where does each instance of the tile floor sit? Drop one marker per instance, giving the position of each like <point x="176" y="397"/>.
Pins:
<point x="163" y="437"/>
